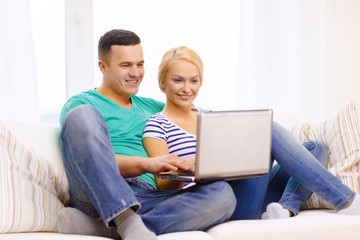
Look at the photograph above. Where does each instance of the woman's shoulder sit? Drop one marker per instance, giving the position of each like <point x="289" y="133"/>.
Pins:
<point x="159" y="118"/>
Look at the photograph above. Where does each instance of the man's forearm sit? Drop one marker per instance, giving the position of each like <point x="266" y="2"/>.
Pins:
<point x="133" y="166"/>
<point x="130" y="166"/>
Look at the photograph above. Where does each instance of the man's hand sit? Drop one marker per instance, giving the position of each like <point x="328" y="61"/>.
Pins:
<point x="130" y="166"/>
<point x="168" y="162"/>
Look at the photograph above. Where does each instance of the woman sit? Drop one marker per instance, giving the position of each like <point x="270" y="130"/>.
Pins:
<point x="174" y="131"/>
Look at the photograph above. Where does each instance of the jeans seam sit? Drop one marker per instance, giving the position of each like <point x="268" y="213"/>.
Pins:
<point x="292" y="195"/>
<point x="272" y="176"/>
<point x="290" y="198"/>
<point x="284" y="146"/>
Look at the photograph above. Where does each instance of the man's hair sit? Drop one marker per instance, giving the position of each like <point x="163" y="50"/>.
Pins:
<point x="116" y="37"/>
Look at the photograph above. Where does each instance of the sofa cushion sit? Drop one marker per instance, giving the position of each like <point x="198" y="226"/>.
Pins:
<point x="47" y="236"/>
<point x="32" y="189"/>
<point x="309" y="225"/>
<point x="341" y="135"/>
<point x="190" y="235"/>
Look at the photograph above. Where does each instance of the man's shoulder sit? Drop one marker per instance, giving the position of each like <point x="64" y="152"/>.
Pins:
<point x="145" y="99"/>
<point x="84" y="96"/>
<point x="148" y="103"/>
<point x="80" y="98"/>
<point x="77" y="100"/>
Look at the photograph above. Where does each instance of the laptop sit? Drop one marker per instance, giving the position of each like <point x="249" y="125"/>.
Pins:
<point x="230" y="145"/>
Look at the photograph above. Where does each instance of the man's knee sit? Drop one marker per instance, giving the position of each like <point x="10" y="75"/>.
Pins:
<point x="81" y="112"/>
<point x="224" y="200"/>
<point x="82" y="120"/>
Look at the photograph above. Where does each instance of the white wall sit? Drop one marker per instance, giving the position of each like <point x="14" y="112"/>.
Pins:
<point x="79" y="42"/>
<point x="208" y="27"/>
<point x="48" y="34"/>
<point x="299" y="57"/>
<point x="342" y="68"/>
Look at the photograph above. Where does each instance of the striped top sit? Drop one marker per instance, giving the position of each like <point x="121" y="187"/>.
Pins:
<point x="179" y="141"/>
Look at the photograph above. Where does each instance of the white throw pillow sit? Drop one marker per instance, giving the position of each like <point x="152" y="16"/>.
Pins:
<point x="341" y="135"/>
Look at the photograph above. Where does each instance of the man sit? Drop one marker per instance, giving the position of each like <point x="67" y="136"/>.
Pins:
<point x="109" y="173"/>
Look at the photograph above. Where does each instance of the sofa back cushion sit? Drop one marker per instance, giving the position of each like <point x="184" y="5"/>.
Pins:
<point x="341" y="135"/>
<point x="33" y="187"/>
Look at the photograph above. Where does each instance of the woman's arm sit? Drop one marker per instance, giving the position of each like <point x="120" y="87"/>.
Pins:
<point x="155" y="148"/>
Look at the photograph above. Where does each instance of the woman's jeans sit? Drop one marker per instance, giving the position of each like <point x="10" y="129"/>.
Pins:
<point x="285" y="189"/>
<point x="297" y="161"/>
<point x="97" y="188"/>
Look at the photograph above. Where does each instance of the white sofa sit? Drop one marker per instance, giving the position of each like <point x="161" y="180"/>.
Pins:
<point x="309" y="224"/>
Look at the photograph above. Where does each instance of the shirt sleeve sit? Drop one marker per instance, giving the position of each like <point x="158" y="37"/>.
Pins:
<point x="73" y="102"/>
<point x="154" y="129"/>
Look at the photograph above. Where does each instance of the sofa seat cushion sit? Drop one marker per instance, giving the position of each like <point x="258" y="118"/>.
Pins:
<point x="47" y="236"/>
<point x="309" y="225"/>
<point x="192" y="235"/>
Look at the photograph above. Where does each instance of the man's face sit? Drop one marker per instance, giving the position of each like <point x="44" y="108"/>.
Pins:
<point x="123" y="69"/>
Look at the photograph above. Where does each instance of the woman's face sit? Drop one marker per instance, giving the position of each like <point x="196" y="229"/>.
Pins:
<point x="181" y="84"/>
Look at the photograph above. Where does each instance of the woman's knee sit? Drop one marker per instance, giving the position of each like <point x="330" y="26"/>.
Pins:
<point x="318" y="150"/>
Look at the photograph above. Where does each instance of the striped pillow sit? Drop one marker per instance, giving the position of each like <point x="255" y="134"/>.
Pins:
<point x="341" y="135"/>
<point x="31" y="190"/>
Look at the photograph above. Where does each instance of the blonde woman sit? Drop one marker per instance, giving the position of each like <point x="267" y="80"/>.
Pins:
<point x="173" y="131"/>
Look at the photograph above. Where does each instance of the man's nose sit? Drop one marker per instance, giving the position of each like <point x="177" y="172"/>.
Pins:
<point x="135" y="71"/>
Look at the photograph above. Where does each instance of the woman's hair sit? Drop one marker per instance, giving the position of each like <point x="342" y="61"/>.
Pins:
<point x="179" y="53"/>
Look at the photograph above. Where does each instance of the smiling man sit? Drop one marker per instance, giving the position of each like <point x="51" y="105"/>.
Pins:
<point x="110" y="175"/>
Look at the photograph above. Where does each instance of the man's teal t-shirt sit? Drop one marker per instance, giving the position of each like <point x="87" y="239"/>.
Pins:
<point x="126" y="126"/>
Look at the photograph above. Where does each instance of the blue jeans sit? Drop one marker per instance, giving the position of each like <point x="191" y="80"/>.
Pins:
<point x="285" y="189"/>
<point x="97" y="188"/>
<point x="297" y="161"/>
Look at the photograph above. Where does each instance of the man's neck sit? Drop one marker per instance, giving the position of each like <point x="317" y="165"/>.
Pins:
<point x="123" y="101"/>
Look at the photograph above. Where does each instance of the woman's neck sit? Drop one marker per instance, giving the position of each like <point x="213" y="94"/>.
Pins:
<point x="183" y="117"/>
<point x="176" y="112"/>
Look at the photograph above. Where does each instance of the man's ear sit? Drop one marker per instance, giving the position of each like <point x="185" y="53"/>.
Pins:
<point x="102" y="66"/>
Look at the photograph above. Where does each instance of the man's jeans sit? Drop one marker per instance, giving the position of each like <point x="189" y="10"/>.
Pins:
<point x="98" y="189"/>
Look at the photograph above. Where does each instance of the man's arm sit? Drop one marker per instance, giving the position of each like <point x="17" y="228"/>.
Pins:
<point x="157" y="148"/>
<point x="132" y="166"/>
